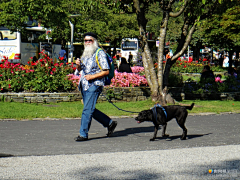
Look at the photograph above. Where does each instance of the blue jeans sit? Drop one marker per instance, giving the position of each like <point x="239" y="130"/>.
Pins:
<point x="90" y="97"/>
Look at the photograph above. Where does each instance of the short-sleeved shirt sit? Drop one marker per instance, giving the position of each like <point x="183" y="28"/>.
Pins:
<point x="62" y="52"/>
<point x="90" y="66"/>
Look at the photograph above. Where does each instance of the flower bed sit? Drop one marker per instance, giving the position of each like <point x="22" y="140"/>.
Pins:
<point x="191" y="67"/>
<point x="46" y="76"/>
<point x="41" y="76"/>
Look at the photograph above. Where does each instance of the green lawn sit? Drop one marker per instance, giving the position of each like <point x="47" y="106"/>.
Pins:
<point x="13" y="110"/>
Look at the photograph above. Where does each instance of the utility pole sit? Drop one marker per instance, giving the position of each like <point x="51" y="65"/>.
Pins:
<point x="72" y="34"/>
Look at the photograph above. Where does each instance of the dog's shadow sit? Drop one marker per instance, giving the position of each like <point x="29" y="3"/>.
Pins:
<point x="150" y="129"/>
<point x="189" y="136"/>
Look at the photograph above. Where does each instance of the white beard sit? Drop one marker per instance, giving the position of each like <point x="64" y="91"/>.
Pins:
<point x="89" y="50"/>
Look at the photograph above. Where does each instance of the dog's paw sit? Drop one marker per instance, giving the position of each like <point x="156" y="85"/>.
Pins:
<point x="165" y="135"/>
<point x="152" y="139"/>
<point x="183" y="138"/>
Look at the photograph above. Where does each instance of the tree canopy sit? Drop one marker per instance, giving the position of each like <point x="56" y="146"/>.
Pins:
<point x="55" y="14"/>
<point x="222" y="30"/>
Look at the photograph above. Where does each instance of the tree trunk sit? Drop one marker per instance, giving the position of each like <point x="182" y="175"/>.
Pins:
<point x="163" y="31"/>
<point x="146" y="54"/>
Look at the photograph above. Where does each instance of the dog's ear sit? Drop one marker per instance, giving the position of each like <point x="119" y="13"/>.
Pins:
<point x="147" y="114"/>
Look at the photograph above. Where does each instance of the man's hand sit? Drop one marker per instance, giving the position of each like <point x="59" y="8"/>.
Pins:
<point x="89" y="77"/>
<point x="78" y="63"/>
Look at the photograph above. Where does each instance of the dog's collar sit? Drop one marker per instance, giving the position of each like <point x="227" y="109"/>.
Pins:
<point x="154" y="109"/>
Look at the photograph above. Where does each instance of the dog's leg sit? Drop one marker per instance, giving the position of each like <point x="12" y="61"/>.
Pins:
<point x="184" y="135"/>
<point x="155" y="133"/>
<point x="181" y="123"/>
<point x="164" y="131"/>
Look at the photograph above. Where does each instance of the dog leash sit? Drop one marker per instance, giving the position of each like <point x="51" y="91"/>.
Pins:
<point x="118" y="107"/>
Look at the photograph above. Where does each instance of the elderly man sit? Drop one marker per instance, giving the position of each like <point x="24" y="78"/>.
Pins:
<point x="91" y="85"/>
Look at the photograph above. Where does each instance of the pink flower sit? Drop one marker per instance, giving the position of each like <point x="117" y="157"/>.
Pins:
<point x="218" y="79"/>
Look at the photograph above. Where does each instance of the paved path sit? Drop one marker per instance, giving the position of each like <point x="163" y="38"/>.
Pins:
<point x="46" y="150"/>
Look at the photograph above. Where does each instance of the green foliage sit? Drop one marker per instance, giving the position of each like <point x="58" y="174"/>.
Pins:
<point x="222" y="30"/>
<point x="55" y="14"/>
<point x="175" y="79"/>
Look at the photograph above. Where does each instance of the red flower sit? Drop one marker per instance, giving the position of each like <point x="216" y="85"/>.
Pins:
<point x="185" y="66"/>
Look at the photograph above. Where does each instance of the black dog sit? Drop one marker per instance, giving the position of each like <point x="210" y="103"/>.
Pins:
<point x="160" y="115"/>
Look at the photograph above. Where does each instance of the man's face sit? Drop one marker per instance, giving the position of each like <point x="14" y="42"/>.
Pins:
<point x="88" y="41"/>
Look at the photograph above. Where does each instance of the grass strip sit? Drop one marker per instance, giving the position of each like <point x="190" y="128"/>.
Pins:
<point x="14" y="110"/>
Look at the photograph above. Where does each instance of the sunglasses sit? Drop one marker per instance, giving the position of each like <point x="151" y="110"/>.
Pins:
<point x="88" y="40"/>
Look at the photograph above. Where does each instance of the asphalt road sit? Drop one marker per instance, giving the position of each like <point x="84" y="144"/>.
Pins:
<point x="45" y="149"/>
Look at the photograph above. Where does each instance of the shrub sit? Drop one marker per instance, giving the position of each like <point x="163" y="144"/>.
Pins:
<point x="175" y="79"/>
<point x="231" y="84"/>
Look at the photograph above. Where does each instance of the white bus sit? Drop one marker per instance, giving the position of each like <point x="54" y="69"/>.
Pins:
<point x="130" y="45"/>
<point x="18" y="48"/>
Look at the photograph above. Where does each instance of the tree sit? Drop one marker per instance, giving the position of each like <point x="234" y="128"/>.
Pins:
<point x="55" y="14"/>
<point x="107" y="25"/>
<point x="193" y="11"/>
<point x="52" y="14"/>
<point x="222" y="30"/>
<point x="15" y="14"/>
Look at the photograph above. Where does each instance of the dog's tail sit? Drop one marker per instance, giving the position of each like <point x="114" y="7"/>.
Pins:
<point x="190" y="107"/>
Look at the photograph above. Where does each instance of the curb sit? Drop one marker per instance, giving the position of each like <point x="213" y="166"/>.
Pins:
<point x="113" y="117"/>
